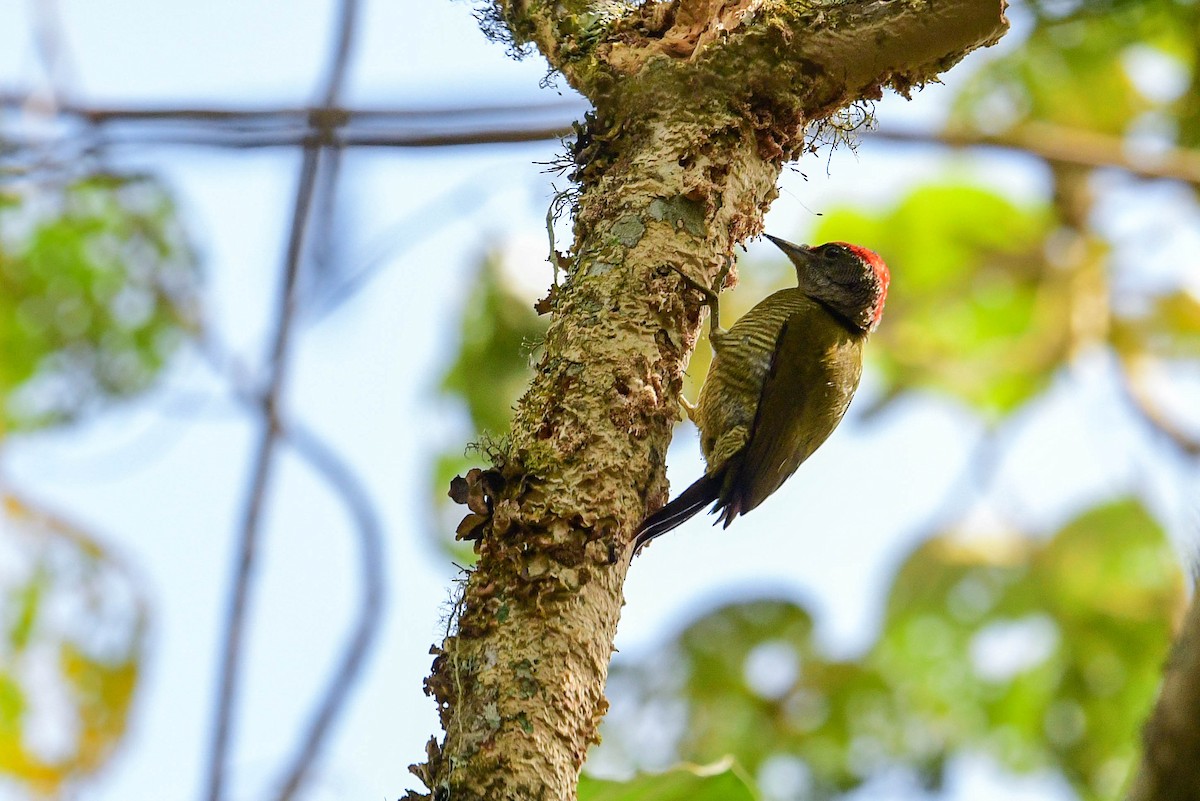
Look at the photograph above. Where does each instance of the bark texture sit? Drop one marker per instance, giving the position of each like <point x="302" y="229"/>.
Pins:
<point x="698" y="105"/>
<point x="1170" y="769"/>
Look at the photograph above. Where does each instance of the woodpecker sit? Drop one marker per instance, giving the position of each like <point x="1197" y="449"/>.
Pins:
<point x="780" y="381"/>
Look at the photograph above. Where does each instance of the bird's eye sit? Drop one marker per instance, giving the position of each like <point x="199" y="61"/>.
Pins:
<point x="834" y="251"/>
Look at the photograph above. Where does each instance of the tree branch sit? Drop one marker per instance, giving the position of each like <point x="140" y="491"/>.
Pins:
<point x="676" y="166"/>
<point x="228" y="127"/>
<point x="1171" y="739"/>
<point x="1142" y="402"/>
<point x="1058" y="145"/>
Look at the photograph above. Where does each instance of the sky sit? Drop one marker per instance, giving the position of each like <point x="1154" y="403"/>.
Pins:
<point x="162" y="481"/>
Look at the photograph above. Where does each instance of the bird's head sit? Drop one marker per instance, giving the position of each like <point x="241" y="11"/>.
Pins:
<point x="848" y="279"/>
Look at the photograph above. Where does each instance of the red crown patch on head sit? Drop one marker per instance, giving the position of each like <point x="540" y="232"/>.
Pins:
<point x="882" y="274"/>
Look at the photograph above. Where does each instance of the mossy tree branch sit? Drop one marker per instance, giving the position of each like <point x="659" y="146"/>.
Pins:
<point x="698" y="104"/>
<point x="1171" y="740"/>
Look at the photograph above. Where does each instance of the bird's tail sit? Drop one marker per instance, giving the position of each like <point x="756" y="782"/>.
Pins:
<point x="704" y="491"/>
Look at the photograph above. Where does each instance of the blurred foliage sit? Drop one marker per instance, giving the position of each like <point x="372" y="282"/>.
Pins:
<point x="1039" y="654"/>
<point x="1078" y="69"/>
<point x="723" y="781"/>
<point x="1068" y="61"/>
<point x="1042" y="654"/>
<point x="98" y="286"/>
<point x="490" y="372"/>
<point x="974" y="310"/>
<point x="1168" y="329"/>
<point x="74" y="626"/>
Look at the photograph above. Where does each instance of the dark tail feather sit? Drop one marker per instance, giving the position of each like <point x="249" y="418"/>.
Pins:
<point x="700" y="494"/>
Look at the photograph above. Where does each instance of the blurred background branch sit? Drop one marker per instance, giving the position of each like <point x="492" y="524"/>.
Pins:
<point x="489" y="125"/>
<point x="1026" y="430"/>
<point x="259" y="483"/>
<point x="270" y="402"/>
<point x="1171" y="740"/>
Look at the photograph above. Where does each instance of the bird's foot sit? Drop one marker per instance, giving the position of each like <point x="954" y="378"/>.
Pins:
<point x="689" y="408"/>
<point x="711" y="299"/>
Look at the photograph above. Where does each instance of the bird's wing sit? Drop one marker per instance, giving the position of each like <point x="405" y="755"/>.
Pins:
<point x="813" y="374"/>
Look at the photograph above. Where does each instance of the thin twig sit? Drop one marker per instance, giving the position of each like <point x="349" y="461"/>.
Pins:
<point x="370" y="532"/>
<point x="299" y="115"/>
<point x="340" y="477"/>
<point x="1061" y="145"/>
<point x="235" y="618"/>
<point x="335" y="78"/>
<point x="1145" y="407"/>
<point x="50" y="44"/>
<point x="243" y="573"/>
<point x="325" y="460"/>
<point x="448" y="127"/>
<point x="252" y="140"/>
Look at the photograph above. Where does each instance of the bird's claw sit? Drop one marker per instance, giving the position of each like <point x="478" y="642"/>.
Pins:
<point x="689" y="408"/>
<point x="711" y="298"/>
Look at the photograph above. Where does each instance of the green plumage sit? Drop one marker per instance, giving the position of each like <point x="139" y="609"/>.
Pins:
<point x="780" y="382"/>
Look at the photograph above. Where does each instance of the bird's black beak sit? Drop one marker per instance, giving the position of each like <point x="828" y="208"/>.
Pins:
<point x="797" y="253"/>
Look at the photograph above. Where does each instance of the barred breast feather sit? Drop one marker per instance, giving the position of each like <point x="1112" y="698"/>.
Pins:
<point x="729" y="398"/>
<point x="778" y="386"/>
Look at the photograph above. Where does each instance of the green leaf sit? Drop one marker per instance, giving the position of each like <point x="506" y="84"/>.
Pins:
<point x="1041" y="653"/>
<point x="492" y="367"/>
<point x="1170" y="329"/>
<point x="98" y="286"/>
<point x="72" y="673"/>
<point x="1070" y="70"/>
<point x="722" y="781"/>
<point x="1090" y="612"/>
<point x="973" y="310"/>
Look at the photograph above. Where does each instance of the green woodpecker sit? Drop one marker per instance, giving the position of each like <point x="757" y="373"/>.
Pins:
<point x="780" y="380"/>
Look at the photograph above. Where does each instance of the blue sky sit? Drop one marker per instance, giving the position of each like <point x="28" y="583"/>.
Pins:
<point x="163" y="484"/>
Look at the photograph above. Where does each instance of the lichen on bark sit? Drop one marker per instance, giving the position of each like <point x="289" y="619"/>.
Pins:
<point x="697" y="107"/>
